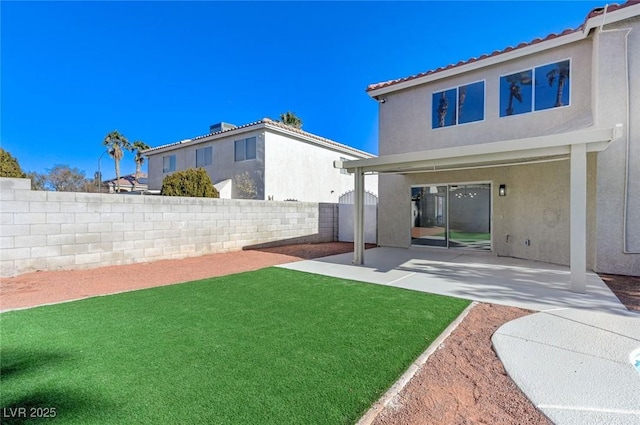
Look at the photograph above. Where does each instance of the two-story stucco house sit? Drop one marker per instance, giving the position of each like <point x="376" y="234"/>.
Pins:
<point x="265" y="159"/>
<point x="530" y="152"/>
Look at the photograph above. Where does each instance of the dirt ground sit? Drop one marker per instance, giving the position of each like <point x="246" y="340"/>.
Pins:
<point x="461" y="383"/>
<point x="626" y="288"/>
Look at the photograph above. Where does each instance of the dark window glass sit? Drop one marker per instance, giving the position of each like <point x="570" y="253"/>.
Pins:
<point x="204" y="156"/>
<point x="516" y="94"/>
<point x="552" y="85"/>
<point x="168" y="163"/>
<point x="471" y="102"/>
<point x="239" y="154"/>
<point x="443" y="109"/>
<point x="250" y="148"/>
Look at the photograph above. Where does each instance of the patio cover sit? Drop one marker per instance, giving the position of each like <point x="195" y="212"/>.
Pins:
<point x="573" y="146"/>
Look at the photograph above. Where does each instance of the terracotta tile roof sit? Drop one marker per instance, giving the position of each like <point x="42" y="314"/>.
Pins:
<point x="279" y="125"/>
<point x="593" y="13"/>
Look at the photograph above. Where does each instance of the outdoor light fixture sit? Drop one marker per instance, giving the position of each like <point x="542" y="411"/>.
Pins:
<point x="502" y="191"/>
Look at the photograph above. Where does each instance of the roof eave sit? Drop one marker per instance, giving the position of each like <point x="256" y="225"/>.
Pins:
<point x="204" y="139"/>
<point x="329" y="144"/>
<point x="482" y="63"/>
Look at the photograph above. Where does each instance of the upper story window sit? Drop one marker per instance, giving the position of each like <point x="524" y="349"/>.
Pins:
<point x="245" y="149"/>
<point x="536" y="89"/>
<point x="168" y="163"/>
<point x="204" y="157"/>
<point x="459" y="105"/>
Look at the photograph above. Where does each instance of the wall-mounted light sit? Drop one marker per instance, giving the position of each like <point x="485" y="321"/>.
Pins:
<point x="502" y="190"/>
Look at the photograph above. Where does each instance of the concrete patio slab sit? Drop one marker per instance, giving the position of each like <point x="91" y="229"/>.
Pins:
<point x="478" y="276"/>
<point x="574" y="365"/>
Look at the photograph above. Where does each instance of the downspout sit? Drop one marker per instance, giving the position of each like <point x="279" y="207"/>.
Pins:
<point x="627" y="167"/>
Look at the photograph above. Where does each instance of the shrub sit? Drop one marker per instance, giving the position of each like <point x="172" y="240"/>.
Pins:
<point x="9" y="166"/>
<point x="191" y="182"/>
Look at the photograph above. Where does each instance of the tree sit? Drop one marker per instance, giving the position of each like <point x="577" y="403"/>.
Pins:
<point x="245" y="186"/>
<point x="290" y="118"/>
<point x="63" y="178"/>
<point x="516" y="81"/>
<point x="9" y="166"/>
<point x="443" y="106"/>
<point x="562" y="73"/>
<point x="190" y="182"/>
<point x="38" y="180"/>
<point x="138" y="147"/>
<point x="116" y="144"/>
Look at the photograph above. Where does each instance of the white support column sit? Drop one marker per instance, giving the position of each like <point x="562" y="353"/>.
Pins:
<point x="358" y="218"/>
<point x="578" y="220"/>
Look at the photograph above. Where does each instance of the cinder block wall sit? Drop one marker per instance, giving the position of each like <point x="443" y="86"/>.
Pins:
<point x="64" y="230"/>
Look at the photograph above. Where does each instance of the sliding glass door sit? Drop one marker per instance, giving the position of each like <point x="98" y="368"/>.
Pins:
<point x="452" y="216"/>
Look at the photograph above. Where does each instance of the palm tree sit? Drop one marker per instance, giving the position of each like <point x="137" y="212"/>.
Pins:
<point x="116" y="144"/>
<point x="290" y="118"/>
<point x="443" y="105"/>
<point x="138" y="147"/>
<point x="462" y="95"/>
<point x="562" y="72"/>
<point x="516" y="81"/>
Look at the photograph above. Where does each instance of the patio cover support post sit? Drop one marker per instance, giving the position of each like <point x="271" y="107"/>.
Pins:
<point x="358" y="218"/>
<point x="578" y="221"/>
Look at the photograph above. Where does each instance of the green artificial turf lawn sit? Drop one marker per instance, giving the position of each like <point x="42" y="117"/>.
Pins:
<point x="467" y="237"/>
<point x="273" y="346"/>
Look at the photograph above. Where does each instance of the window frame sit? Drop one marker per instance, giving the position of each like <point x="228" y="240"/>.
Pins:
<point x="172" y="163"/>
<point x="533" y="87"/>
<point x="245" y="144"/>
<point x="207" y="159"/>
<point x="457" y="99"/>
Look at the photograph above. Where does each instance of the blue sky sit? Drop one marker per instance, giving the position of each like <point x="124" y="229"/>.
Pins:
<point x="160" y="72"/>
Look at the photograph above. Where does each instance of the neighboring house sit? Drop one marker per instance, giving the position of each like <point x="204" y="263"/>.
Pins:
<point x="553" y="125"/>
<point x="280" y="162"/>
<point x="127" y="183"/>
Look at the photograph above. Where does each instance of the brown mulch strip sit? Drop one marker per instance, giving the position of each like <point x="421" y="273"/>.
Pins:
<point x="626" y="288"/>
<point x="464" y="382"/>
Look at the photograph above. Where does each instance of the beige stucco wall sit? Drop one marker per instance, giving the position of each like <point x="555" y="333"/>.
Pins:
<point x="537" y="204"/>
<point x="405" y="117"/>
<point x="536" y="208"/>
<point x="285" y="167"/>
<point x="618" y="213"/>
<point x="605" y="91"/>
<point x="296" y="169"/>
<point x="223" y="166"/>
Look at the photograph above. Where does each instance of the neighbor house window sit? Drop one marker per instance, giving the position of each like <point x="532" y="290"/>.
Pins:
<point x="536" y="89"/>
<point x="459" y="105"/>
<point x="168" y="163"/>
<point x="204" y="157"/>
<point x="245" y="149"/>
